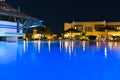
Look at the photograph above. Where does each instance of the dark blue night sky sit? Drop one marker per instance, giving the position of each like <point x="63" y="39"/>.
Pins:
<point x="55" y="12"/>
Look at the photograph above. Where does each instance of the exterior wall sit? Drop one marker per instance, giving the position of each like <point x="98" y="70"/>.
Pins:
<point x="67" y="26"/>
<point x="114" y="33"/>
<point x="8" y="27"/>
<point x="84" y="24"/>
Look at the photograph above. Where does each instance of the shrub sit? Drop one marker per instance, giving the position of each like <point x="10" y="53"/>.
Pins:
<point x="92" y="37"/>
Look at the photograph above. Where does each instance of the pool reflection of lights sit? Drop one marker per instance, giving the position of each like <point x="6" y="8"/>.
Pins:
<point x="49" y="42"/>
<point x="59" y="60"/>
<point x="105" y="52"/>
<point x="83" y="44"/>
<point x="60" y="43"/>
<point x="69" y="47"/>
<point x="39" y="44"/>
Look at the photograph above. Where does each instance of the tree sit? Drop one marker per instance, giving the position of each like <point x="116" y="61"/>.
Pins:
<point x="92" y="37"/>
<point x="39" y="30"/>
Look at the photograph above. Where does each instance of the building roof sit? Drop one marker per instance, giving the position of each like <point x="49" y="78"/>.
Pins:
<point x="7" y="10"/>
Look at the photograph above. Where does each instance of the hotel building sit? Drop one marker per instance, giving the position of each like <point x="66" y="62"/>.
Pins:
<point x="101" y="29"/>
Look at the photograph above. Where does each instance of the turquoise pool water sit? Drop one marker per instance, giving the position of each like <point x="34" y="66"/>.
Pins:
<point x="59" y="60"/>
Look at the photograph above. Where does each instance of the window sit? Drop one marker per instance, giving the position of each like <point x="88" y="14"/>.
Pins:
<point x="118" y="27"/>
<point x="112" y="27"/>
<point x="99" y="27"/>
<point x="88" y="29"/>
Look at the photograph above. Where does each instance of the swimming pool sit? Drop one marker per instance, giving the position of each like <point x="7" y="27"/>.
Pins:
<point x="59" y="60"/>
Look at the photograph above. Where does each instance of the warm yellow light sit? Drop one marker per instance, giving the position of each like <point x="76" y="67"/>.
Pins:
<point x="60" y="38"/>
<point x="66" y="35"/>
<point x="36" y="36"/>
<point x="49" y="43"/>
<point x="116" y="34"/>
<point x="105" y="53"/>
<point x="66" y="44"/>
<point x="49" y="37"/>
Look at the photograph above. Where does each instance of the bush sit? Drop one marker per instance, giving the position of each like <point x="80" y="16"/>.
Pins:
<point x="92" y="37"/>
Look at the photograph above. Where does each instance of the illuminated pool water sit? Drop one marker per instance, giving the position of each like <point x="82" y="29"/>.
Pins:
<point x="59" y="60"/>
